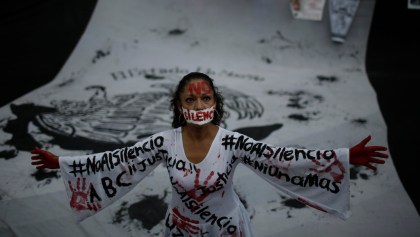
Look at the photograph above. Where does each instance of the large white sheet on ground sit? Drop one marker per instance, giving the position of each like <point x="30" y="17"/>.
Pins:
<point x="284" y="82"/>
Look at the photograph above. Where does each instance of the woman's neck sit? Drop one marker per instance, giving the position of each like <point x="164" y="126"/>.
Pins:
<point x="200" y="132"/>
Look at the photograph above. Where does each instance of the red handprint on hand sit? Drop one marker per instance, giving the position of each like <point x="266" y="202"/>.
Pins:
<point x="79" y="199"/>
<point x="44" y="159"/>
<point x="361" y="154"/>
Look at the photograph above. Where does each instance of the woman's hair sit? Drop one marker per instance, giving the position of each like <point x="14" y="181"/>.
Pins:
<point x="178" y="119"/>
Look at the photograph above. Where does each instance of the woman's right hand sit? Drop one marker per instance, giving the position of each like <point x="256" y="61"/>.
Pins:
<point x="44" y="159"/>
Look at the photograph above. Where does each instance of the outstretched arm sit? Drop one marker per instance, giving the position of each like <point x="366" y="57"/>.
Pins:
<point x="361" y="154"/>
<point x="44" y="159"/>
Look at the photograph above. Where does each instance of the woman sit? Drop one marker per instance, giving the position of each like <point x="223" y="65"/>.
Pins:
<point x="201" y="157"/>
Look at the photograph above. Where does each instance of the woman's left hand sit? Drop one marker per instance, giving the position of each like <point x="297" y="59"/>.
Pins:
<point x="361" y="154"/>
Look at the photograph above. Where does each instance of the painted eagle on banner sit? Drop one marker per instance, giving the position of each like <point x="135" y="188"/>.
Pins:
<point x="103" y="123"/>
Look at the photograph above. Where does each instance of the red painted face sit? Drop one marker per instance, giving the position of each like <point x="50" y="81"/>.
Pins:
<point x="197" y="95"/>
<point x="198" y="87"/>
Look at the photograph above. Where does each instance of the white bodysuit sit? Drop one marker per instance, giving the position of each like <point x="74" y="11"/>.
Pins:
<point x="203" y="199"/>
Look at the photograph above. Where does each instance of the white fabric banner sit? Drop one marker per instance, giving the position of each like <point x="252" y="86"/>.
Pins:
<point x="284" y="83"/>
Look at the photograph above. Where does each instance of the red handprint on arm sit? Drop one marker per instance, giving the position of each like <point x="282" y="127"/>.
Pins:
<point x="79" y="199"/>
<point x="335" y="167"/>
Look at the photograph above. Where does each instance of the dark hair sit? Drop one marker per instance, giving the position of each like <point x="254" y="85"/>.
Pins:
<point x="178" y="119"/>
